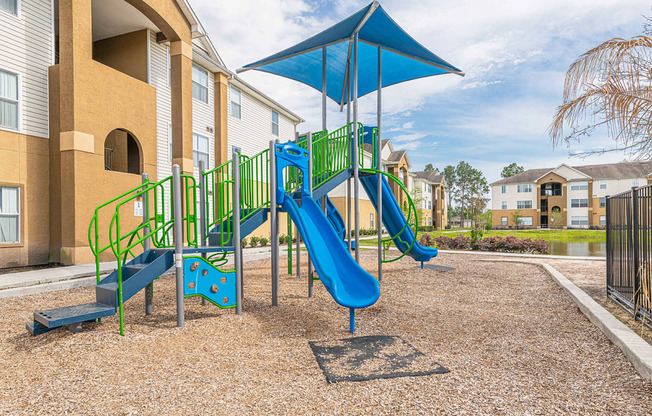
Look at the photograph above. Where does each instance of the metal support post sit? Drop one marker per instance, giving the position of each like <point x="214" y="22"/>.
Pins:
<point x="149" y="290"/>
<point x="237" y="240"/>
<point x="202" y="214"/>
<point x="308" y="185"/>
<point x="178" y="241"/>
<point x="273" y="219"/>
<point x="348" y="180"/>
<point x="356" y="168"/>
<point x="298" y="255"/>
<point x="379" y="166"/>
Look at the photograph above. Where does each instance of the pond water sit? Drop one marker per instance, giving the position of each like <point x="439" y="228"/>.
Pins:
<point x="578" y="248"/>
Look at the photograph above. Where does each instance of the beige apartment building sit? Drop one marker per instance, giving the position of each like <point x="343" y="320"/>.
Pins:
<point x="577" y="193"/>
<point x="93" y="93"/>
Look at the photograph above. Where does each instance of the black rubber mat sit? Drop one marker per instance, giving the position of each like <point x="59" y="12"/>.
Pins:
<point x="436" y="267"/>
<point x="372" y="357"/>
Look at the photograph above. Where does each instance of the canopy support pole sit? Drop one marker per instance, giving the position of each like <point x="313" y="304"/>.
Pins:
<point x="323" y="88"/>
<point x="348" y="132"/>
<point x="356" y="173"/>
<point x="379" y="166"/>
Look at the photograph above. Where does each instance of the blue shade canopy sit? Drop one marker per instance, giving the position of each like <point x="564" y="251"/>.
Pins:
<point x="403" y="58"/>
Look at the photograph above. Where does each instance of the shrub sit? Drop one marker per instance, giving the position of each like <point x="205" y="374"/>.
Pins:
<point x="254" y="241"/>
<point x="426" y="240"/>
<point x="244" y="242"/>
<point x="264" y="241"/>
<point x="282" y="239"/>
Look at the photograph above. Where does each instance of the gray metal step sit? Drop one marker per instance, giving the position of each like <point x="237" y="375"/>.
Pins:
<point x="54" y="318"/>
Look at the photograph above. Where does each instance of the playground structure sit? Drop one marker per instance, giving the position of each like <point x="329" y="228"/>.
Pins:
<point x="196" y="235"/>
<point x="192" y="227"/>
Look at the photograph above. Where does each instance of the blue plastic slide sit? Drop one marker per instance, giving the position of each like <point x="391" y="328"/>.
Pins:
<point x="348" y="283"/>
<point x="336" y="219"/>
<point x="394" y="220"/>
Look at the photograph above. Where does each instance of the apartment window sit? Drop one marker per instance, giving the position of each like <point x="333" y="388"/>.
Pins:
<point x="579" y="203"/>
<point x="524" y="220"/>
<point x="579" y="220"/>
<point x="580" y="186"/>
<point x="200" y="149"/>
<point x="603" y="202"/>
<point x="503" y="220"/>
<point x="199" y="84"/>
<point x="9" y="6"/>
<point x="603" y="220"/>
<point x="429" y="204"/>
<point x="524" y="187"/>
<point x="503" y="189"/>
<point x="9" y="215"/>
<point x="635" y="182"/>
<point x="371" y="220"/>
<point x="236" y="103"/>
<point x="429" y="221"/>
<point x="603" y="184"/>
<point x="503" y="205"/>
<point x="523" y="204"/>
<point x="8" y="99"/>
<point x="274" y="123"/>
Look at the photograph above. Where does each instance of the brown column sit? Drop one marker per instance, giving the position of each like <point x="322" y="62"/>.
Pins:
<point x="76" y="48"/>
<point x="181" y="63"/>
<point x="221" y="119"/>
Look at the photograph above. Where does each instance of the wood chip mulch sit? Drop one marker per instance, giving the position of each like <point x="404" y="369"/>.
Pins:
<point x="512" y="339"/>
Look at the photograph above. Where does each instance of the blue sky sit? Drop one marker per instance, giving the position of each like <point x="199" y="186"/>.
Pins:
<point x="514" y="52"/>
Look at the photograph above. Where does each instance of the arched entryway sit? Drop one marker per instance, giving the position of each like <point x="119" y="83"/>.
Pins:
<point x="122" y="152"/>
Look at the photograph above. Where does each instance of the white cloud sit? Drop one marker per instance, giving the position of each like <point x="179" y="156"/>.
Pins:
<point x="408" y="125"/>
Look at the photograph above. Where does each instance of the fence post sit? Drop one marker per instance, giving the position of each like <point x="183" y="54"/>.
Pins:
<point x="608" y="245"/>
<point x="635" y="248"/>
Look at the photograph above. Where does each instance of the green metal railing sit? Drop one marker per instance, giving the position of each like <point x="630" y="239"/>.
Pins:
<point x="219" y="201"/>
<point x="156" y="226"/>
<point x="254" y="183"/>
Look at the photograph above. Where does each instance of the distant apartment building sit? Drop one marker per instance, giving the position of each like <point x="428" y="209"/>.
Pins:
<point x="93" y="93"/>
<point x="432" y="191"/>
<point x="576" y="193"/>
<point x="426" y="188"/>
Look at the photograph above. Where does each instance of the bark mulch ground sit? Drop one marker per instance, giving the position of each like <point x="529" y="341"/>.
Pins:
<point x="513" y="341"/>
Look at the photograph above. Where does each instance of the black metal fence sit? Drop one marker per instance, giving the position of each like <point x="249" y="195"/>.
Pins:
<point x="629" y="251"/>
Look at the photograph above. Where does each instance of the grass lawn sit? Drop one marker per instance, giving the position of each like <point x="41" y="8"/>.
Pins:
<point x="589" y="236"/>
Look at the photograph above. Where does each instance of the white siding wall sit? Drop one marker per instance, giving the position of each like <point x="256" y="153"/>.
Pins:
<point x="159" y="79"/>
<point x="203" y="121"/>
<point x="26" y="49"/>
<point x="253" y="131"/>
<point x="615" y="186"/>
<point x="569" y="173"/>
<point x="575" y="212"/>
<point x="512" y="196"/>
<point x="340" y="190"/>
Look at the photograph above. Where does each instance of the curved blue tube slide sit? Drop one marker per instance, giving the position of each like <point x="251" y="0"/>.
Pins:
<point x="394" y="220"/>
<point x="348" y="283"/>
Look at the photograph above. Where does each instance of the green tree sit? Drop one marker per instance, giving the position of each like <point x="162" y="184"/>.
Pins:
<point x="429" y="167"/>
<point x="516" y="217"/>
<point x="511" y="170"/>
<point x="469" y="184"/>
<point x="556" y="219"/>
<point x="449" y="179"/>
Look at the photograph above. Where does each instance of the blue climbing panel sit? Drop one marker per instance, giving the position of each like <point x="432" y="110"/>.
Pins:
<point x="201" y="278"/>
